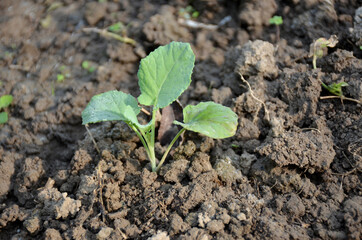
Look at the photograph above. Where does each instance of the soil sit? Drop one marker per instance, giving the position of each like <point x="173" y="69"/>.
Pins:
<point x="292" y="171"/>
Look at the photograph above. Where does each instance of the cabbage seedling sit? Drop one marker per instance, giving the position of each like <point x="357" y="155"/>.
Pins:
<point x="319" y="48"/>
<point x="276" y="20"/>
<point x="163" y="76"/>
<point x="5" y="101"/>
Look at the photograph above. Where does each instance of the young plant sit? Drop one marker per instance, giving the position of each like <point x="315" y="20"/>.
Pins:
<point x="117" y="27"/>
<point x="88" y="66"/>
<point x="5" y="101"/>
<point x="319" y="48"/>
<point x="163" y="76"/>
<point x="60" y="78"/>
<point x="276" y="20"/>
<point x="189" y="12"/>
<point x="64" y="73"/>
<point x="336" y="89"/>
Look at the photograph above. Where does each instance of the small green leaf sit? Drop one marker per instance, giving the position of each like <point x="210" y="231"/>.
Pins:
<point x="5" y="101"/>
<point x="60" y="78"/>
<point x="112" y="105"/>
<point x="277" y="20"/>
<point x="336" y="88"/>
<point x="210" y="119"/>
<point x="3" y="117"/>
<point x="165" y="74"/>
<point x="116" y="28"/>
<point x="85" y="65"/>
<point x="195" y="14"/>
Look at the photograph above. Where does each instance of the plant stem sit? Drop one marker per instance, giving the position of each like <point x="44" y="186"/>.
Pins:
<point x="143" y="140"/>
<point x="152" y="143"/>
<point x="341" y="97"/>
<point x="314" y="61"/>
<point x="169" y="148"/>
<point x="106" y="34"/>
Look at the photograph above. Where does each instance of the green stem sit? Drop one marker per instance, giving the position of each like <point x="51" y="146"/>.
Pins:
<point x="314" y="61"/>
<point x="143" y="140"/>
<point x="169" y="148"/>
<point x="152" y="143"/>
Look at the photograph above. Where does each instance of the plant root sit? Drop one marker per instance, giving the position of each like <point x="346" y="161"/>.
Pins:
<point x="257" y="99"/>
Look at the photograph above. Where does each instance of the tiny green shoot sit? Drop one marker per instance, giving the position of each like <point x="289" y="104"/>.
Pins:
<point x="117" y="27"/>
<point x="335" y="88"/>
<point x="233" y="145"/>
<point x="276" y="20"/>
<point x="88" y="66"/>
<point x="318" y="48"/>
<point x="189" y="12"/>
<point x="5" y="101"/>
<point x="60" y="78"/>
<point x="163" y="76"/>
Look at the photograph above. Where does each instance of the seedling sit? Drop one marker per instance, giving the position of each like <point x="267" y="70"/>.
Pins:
<point x="163" y="76"/>
<point x="113" y="32"/>
<point x="87" y="66"/>
<point x="318" y="48"/>
<point x="64" y="73"/>
<point x="60" y="78"/>
<point x="276" y="20"/>
<point x="336" y="89"/>
<point x="5" y="101"/>
<point x="189" y="12"/>
<point x="117" y="27"/>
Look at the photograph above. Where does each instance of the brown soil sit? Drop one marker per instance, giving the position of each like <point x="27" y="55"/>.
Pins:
<point x="292" y="171"/>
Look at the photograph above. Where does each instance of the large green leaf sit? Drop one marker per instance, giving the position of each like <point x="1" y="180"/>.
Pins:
<point x="5" y="101"/>
<point x="112" y="105"/>
<point x="165" y="74"/>
<point x="3" y="117"/>
<point x="210" y="119"/>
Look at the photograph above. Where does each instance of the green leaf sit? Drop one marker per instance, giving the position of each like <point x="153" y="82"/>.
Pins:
<point x="5" y="101"/>
<point x="85" y="65"/>
<point x="60" y="78"/>
<point x="165" y="74"/>
<point x="210" y="119"/>
<point x="112" y="105"/>
<point x="277" y="20"/>
<point x="116" y="28"/>
<point x="3" y="117"/>
<point x="336" y="88"/>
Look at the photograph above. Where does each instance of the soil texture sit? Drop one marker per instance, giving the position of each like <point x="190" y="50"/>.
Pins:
<point x="292" y="171"/>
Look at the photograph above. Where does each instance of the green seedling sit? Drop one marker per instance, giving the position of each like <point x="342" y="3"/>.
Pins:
<point x="117" y="27"/>
<point x="163" y="76"/>
<point x="335" y="88"/>
<point x="189" y="12"/>
<point x="235" y="146"/>
<point x="5" y="101"/>
<point x="87" y="66"/>
<point x="277" y="20"/>
<point x="60" y="78"/>
<point x="318" y="48"/>
<point x="64" y="73"/>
